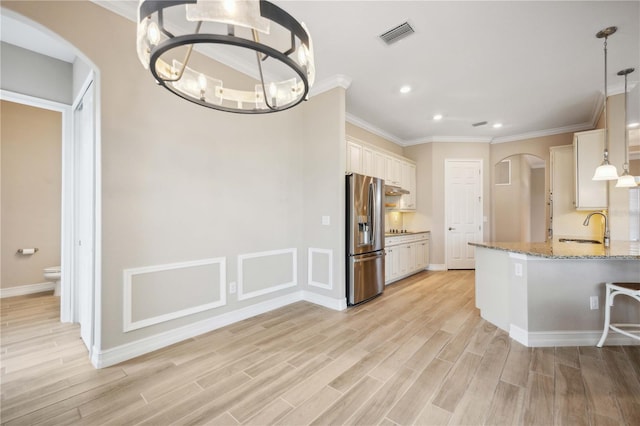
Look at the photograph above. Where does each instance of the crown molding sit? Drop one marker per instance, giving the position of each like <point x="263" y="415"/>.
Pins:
<point x="126" y="9"/>
<point x="449" y="139"/>
<point x="542" y="133"/>
<point x="338" y="80"/>
<point x="373" y="129"/>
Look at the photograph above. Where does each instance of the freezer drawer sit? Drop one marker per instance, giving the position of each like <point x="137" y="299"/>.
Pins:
<point x="366" y="277"/>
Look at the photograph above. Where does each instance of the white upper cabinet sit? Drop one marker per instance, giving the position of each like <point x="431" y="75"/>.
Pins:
<point x="408" y="182"/>
<point x="354" y="157"/>
<point x="372" y="161"/>
<point x="588" y="148"/>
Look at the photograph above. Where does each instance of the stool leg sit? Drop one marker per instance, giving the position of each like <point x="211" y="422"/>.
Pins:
<point x="606" y="317"/>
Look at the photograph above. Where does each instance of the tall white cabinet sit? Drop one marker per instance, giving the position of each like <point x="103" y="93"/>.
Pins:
<point x="588" y="148"/>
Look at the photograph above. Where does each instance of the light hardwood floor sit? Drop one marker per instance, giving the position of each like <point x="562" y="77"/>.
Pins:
<point x="419" y="354"/>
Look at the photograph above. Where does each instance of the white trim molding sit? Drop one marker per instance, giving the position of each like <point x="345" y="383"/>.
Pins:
<point x="543" y="339"/>
<point x="310" y="281"/>
<point x="437" y="267"/>
<point x="127" y="308"/>
<point x="23" y="290"/>
<point x="327" y="302"/>
<point x="112" y="356"/>
<point x="242" y="295"/>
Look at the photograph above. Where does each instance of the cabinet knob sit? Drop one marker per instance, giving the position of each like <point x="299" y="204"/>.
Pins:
<point x="452" y="229"/>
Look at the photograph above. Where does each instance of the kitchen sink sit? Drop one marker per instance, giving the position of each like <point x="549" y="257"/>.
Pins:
<point x="578" y="240"/>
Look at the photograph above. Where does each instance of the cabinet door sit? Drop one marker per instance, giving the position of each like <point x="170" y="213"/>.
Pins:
<point x="422" y="254"/>
<point x="354" y="157"/>
<point x="405" y="259"/>
<point x="408" y="201"/>
<point x="379" y="165"/>
<point x="388" y="265"/>
<point x="588" y="148"/>
<point x="368" y="165"/>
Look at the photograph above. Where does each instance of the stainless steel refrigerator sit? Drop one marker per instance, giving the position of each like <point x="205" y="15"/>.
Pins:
<point x="365" y="238"/>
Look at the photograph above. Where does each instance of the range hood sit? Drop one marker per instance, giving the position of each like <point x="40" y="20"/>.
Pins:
<point x="394" y="190"/>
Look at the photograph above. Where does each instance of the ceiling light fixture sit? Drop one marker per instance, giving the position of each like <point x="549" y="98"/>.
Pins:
<point x="633" y="125"/>
<point x="626" y="180"/>
<point x="606" y="171"/>
<point x="166" y="39"/>
<point x="497" y="125"/>
<point x="405" y="89"/>
<point x="437" y="117"/>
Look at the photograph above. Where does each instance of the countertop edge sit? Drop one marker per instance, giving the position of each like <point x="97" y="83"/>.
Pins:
<point x="496" y="246"/>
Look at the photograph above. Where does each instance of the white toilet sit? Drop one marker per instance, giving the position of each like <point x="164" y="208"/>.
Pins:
<point x="53" y="273"/>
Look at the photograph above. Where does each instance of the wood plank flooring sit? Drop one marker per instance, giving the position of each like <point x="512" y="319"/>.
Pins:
<point x="419" y="354"/>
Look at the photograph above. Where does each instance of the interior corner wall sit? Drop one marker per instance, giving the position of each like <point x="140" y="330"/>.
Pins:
<point x="31" y="146"/>
<point x="182" y="183"/>
<point x="359" y="133"/>
<point x="324" y="162"/>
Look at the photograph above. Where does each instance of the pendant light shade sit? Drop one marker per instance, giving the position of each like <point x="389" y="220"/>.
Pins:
<point x="626" y="180"/>
<point x="606" y="171"/>
<point x="255" y="35"/>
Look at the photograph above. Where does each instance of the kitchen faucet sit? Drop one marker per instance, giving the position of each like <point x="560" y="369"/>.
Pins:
<point x="605" y="239"/>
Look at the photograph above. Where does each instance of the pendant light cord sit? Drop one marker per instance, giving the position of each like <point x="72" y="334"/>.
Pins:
<point x="606" y="124"/>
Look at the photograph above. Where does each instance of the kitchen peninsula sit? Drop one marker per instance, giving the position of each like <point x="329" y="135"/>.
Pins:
<point x="541" y="292"/>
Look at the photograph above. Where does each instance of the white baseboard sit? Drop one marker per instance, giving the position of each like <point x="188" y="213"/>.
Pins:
<point x="437" y="267"/>
<point x="541" y="339"/>
<point x="327" y="302"/>
<point x="27" y="289"/>
<point x="109" y="357"/>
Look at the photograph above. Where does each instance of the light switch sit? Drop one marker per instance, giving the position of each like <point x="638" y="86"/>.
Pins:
<point x="326" y="220"/>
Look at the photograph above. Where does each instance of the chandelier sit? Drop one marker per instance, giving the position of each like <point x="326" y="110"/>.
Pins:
<point x="257" y="36"/>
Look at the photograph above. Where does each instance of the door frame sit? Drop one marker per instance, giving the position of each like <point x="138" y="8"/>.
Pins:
<point x="447" y="163"/>
<point x="68" y="292"/>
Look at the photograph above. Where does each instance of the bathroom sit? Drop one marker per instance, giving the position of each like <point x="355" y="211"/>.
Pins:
<point x="31" y="153"/>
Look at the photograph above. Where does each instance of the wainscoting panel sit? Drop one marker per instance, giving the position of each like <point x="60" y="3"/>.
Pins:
<point x="155" y="294"/>
<point x="266" y="272"/>
<point x="320" y="268"/>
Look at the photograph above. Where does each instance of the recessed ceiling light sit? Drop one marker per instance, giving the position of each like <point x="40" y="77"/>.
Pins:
<point x="405" y="89"/>
<point x="632" y="125"/>
<point x="437" y="117"/>
<point x="497" y="125"/>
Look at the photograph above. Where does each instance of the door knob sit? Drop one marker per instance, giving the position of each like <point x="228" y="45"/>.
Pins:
<point x="452" y="229"/>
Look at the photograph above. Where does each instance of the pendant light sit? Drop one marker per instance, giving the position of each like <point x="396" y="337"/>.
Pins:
<point x="253" y="34"/>
<point x="626" y="180"/>
<point x="606" y="171"/>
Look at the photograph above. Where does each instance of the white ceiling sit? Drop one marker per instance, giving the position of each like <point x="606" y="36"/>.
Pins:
<point x="534" y="66"/>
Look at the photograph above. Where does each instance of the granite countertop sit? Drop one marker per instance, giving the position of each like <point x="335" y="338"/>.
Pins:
<point x="570" y="250"/>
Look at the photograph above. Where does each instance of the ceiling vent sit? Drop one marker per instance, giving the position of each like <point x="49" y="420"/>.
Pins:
<point x="479" y="123"/>
<point x="397" y="33"/>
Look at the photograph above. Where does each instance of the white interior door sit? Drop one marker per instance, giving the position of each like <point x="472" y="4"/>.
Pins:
<point x="463" y="211"/>
<point x="84" y="203"/>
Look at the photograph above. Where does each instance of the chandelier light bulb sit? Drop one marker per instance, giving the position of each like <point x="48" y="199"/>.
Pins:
<point x="302" y="55"/>
<point x="273" y="90"/>
<point x="153" y="34"/>
<point x="202" y="82"/>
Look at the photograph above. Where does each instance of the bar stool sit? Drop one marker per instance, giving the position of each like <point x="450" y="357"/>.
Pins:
<point x="613" y="290"/>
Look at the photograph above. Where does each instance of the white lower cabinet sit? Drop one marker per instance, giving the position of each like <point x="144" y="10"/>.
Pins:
<point x="405" y="256"/>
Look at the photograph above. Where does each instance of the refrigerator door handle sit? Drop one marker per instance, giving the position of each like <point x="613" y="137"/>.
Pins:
<point x="371" y="215"/>
<point x="365" y="258"/>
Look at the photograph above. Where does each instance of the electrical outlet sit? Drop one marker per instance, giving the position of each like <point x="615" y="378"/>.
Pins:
<point x="593" y="302"/>
<point x="232" y="287"/>
<point x="518" y="270"/>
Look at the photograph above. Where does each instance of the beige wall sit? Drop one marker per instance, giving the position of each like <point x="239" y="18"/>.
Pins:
<point x="31" y="144"/>
<point x="182" y="183"/>
<point x="538" y="230"/>
<point x="429" y="160"/>
<point x="538" y="147"/>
